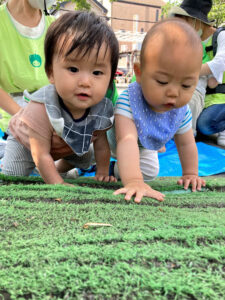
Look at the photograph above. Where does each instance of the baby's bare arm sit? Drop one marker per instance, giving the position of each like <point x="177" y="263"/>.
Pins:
<point x="129" y="162"/>
<point x="188" y="154"/>
<point x="127" y="150"/>
<point x="40" y="150"/>
<point x="102" y="157"/>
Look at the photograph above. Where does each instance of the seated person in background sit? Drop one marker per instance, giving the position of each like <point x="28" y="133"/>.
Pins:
<point x="154" y="109"/>
<point x="64" y="118"/>
<point x="212" y="118"/>
<point x="207" y="106"/>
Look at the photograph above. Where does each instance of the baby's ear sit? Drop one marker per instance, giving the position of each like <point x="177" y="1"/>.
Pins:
<point x="50" y="76"/>
<point x="137" y="71"/>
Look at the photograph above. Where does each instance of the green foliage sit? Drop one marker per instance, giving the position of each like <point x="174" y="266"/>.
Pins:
<point x="169" y="250"/>
<point x="80" y="4"/>
<point x="218" y="12"/>
<point x="166" y="8"/>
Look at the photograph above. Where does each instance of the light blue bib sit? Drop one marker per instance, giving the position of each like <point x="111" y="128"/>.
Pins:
<point x="154" y="129"/>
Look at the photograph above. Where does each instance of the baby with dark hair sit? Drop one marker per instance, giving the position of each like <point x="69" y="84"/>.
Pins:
<point x="64" y="118"/>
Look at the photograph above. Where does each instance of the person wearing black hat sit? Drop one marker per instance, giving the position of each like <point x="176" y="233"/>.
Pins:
<point x="196" y="14"/>
<point x="197" y="9"/>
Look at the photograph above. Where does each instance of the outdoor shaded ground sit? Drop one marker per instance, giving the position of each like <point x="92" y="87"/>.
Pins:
<point x="169" y="250"/>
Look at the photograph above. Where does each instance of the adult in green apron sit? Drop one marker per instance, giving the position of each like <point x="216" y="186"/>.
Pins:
<point x="23" y="26"/>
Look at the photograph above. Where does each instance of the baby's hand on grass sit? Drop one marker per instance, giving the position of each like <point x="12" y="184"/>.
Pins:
<point x="105" y="177"/>
<point x="195" y="181"/>
<point x="139" y="189"/>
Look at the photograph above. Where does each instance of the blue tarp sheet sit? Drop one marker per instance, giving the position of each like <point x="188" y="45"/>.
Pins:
<point x="211" y="160"/>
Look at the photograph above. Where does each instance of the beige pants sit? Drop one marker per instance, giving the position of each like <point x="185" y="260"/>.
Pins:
<point x="196" y="105"/>
<point x="149" y="164"/>
<point x="18" y="161"/>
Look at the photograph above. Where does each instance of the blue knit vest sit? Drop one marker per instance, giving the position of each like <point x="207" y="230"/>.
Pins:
<point x="154" y="129"/>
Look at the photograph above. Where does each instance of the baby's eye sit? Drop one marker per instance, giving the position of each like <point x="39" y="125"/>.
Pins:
<point x="186" y="86"/>
<point x="97" y="73"/>
<point x="73" y="69"/>
<point x="162" y="82"/>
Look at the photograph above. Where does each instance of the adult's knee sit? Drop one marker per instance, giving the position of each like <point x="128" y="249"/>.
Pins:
<point x="204" y="125"/>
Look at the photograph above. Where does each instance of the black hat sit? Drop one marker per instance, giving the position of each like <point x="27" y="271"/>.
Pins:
<point x="197" y="9"/>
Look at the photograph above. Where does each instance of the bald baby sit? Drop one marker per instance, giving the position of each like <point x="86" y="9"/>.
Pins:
<point x="171" y="34"/>
<point x="156" y="109"/>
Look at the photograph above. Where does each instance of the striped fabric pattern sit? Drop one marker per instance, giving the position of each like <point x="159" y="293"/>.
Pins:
<point x="123" y="108"/>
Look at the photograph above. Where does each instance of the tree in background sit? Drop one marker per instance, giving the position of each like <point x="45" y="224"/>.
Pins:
<point x="217" y="12"/>
<point x="80" y="4"/>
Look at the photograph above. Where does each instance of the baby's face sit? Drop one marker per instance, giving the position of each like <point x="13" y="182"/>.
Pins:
<point x="169" y="75"/>
<point x="81" y="81"/>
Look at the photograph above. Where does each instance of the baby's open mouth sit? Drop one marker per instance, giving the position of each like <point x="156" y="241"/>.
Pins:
<point x="169" y="104"/>
<point x="83" y="95"/>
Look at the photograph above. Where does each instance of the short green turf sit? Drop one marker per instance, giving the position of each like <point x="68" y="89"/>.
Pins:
<point x="169" y="250"/>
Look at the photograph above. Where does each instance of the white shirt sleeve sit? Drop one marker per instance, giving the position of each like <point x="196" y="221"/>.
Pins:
<point x="186" y="123"/>
<point x="217" y="64"/>
<point x="123" y="105"/>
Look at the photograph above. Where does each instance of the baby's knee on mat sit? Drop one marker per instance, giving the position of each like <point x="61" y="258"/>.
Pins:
<point x="14" y="172"/>
<point x="149" y="164"/>
<point x="17" y="168"/>
<point x="150" y="173"/>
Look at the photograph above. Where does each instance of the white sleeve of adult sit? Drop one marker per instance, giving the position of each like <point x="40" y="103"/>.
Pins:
<point x="217" y="64"/>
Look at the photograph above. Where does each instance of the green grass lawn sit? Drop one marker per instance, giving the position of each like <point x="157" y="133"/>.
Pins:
<point x="169" y="250"/>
